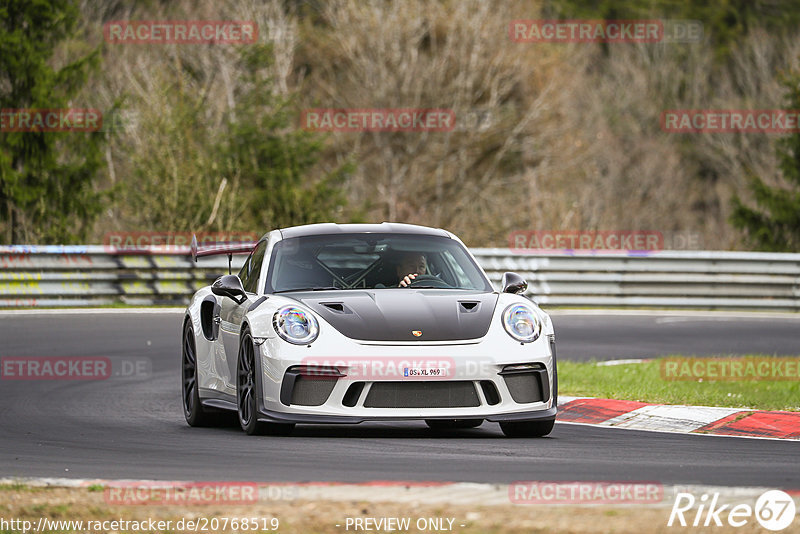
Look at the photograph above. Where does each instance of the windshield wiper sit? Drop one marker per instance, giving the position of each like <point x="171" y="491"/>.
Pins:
<point x="328" y="288"/>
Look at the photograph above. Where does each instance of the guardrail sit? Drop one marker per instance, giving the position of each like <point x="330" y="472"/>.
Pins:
<point x="33" y="276"/>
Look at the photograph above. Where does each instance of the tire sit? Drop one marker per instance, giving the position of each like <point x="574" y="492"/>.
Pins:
<point x="193" y="410"/>
<point x="247" y="393"/>
<point x="452" y="424"/>
<point x="527" y="429"/>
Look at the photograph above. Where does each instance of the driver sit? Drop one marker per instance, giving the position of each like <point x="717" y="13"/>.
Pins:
<point x="412" y="264"/>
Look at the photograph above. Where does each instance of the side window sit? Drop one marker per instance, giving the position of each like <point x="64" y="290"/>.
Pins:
<point x="244" y="273"/>
<point x="253" y="265"/>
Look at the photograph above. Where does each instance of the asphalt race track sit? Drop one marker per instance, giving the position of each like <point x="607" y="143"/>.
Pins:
<point x="583" y="336"/>
<point x="132" y="427"/>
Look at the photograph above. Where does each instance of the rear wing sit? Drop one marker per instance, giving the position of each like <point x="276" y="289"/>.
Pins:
<point x="229" y="248"/>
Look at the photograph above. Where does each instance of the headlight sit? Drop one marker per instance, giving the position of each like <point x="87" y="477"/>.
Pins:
<point x="295" y="325"/>
<point x="522" y="323"/>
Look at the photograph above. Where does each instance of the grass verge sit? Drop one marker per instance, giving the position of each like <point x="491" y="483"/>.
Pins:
<point x="645" y="382"/>
<point x="320" y="516"/>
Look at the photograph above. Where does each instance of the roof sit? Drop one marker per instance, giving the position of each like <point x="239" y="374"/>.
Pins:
<point x="382" y="228"/>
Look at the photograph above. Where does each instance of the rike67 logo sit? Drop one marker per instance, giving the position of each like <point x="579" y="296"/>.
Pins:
<point x="774" y="510"/>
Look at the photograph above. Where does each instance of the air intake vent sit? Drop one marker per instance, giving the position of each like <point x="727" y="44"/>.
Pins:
<point x="312" y="391"/>
<point x="445" y="394"/>
<point x="524" y="388"/>
<point x="527" y="382"/>
<point x="335" y="306"/>
<point x="353" y="393"/>
<point x="308" y="385"/>
<point x="490" y="392"/>
<point x="468" y="306"/>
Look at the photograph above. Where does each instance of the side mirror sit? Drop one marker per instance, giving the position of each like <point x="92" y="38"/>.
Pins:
<point x="514" y="283"/>
<point x="229" y="286"/>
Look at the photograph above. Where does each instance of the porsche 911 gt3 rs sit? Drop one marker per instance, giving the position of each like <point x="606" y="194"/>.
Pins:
<point x="329" y="323"/>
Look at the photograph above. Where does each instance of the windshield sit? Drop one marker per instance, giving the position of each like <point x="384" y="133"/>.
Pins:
<point x="372" y="261"/>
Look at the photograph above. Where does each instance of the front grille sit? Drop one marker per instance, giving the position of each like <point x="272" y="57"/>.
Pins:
<point x="352" y="394"/>
<point x="524" y="387"/>
<point x="312" y="391"/>
<point x="490" y="392"/>
<point x="444" y="394"/>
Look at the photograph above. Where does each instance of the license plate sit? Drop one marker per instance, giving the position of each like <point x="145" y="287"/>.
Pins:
<point x="411" y="372"/>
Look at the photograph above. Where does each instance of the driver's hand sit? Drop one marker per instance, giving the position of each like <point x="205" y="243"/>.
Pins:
<point x="406" y="281"/>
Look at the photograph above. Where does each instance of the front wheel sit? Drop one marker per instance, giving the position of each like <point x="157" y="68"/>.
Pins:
<point x="192" y="409"/>
<point x="527" y="429"/>
<point x="247" y="394"/>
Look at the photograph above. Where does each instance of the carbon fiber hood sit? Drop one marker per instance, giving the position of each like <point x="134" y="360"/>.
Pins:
<point x="395" y="314"/>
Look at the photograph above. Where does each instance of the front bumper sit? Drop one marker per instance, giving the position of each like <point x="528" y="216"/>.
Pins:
<point x="485" y="382"/>
<point x="281" y="417"/>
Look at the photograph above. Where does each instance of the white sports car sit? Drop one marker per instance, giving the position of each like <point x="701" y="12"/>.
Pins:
<point x="329" y="323"/>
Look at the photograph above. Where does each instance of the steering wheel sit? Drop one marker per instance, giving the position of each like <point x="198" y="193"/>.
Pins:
<point x="429" y="280"/>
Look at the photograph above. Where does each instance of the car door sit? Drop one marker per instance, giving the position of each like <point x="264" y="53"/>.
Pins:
<point x="232" y="314"/>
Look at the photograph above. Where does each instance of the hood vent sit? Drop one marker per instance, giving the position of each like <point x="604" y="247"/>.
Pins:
<point x="337" y="307"/>
<point x="468" y="306"/>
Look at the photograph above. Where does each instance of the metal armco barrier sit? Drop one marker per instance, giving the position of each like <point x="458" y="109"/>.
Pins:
<point x="666" y="279"/>
<point x="32" y="276"/>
